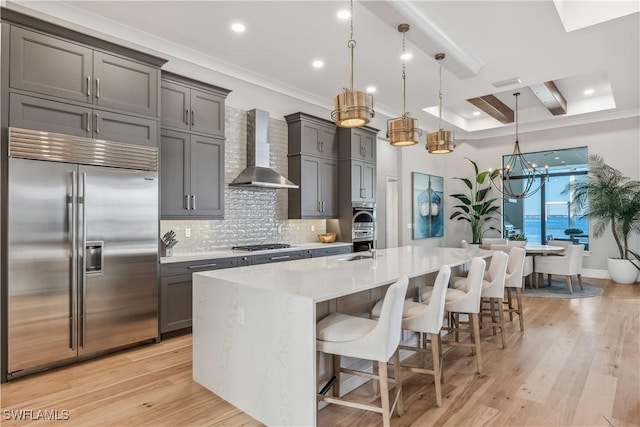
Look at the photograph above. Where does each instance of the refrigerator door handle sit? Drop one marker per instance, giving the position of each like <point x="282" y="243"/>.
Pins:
<point x="82" y="276"/>
<point x="73" y="231"/>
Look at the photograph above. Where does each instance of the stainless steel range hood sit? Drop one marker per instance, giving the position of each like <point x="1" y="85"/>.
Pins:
<point x="258" y="173"/>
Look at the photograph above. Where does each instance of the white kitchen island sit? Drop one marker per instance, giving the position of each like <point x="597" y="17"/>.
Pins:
<point x="254" y="327"/>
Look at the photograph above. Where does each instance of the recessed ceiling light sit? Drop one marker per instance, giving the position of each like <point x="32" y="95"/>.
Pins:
<point x="563" y="162"/>
<point x="344" y="14"/>
<point x="588" y="91"/>
<point x="238" y="27"/>
<point x="557" y="158"/>
<point x="476" y="113"/>
<point x="406" y="56"/>
<point x="371" y="89"/>
<point x="318" y="63"/>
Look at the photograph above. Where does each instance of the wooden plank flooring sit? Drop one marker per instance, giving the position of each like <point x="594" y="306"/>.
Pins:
<point x="576" y="364"/>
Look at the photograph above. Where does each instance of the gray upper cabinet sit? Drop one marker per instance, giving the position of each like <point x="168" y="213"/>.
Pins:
<point x="192" y="109"/>
<point x="363" y="181"/>
<point x="312" y="135"/>
<point x="50" y="66"/>
<point x="125" y="85"/>
<point x="191" y="176"/>
<point x="313" y="165"/>
<point x="317" y="196"/>
<point x="358" y="143"/>
<point x="56" y="67"/>
<point x="51" y="116"/>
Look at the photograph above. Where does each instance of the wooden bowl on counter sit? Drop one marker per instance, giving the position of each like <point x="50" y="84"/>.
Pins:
<point x="327" y="237"/>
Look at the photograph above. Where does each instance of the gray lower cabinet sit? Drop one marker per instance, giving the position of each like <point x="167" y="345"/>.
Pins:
<point x="176" y="290"/>
<point x="334" y="250"/>
<point x="192" y="109"/>
<point x="317" y="196"/>
<point x="277" y="257"/>
<point x="191" y="176"/>
<point x="53" y="66"/>
<point x="363" y="181"/>
<point x="51" y="116"/>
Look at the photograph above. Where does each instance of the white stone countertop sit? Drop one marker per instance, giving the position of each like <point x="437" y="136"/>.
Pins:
<point x="228" y="253"/>
<point x="331" y="277"/>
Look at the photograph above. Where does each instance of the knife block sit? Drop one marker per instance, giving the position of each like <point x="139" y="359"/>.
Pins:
<point x="164" y="251"/>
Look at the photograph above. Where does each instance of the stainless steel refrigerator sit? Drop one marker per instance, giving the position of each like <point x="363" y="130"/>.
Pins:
<point x="82" y="248"/>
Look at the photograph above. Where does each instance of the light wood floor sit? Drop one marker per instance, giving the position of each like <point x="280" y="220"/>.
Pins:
<point x="577" y="363"/>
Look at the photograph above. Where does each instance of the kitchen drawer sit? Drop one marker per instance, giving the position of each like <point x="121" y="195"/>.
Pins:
<point x="196" y="266"/>
<point x="276" y="257"/>
<point x="332" y="251"/>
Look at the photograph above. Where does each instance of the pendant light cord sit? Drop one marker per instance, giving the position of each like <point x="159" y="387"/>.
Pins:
<point x="440" y="96"/>
<point x="404" y="84"/>
<point x="351" y="44"/>
<point x="517" y="138"/>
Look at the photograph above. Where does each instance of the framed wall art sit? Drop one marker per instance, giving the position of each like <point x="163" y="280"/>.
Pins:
<point x="428" y="205"/>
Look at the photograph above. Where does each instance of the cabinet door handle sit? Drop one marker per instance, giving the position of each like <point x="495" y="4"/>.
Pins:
<point x="186" y="116"/>
<point x="97" y="88"/>
<point x="193" y="202"/>
<point x="322" y="146"/>
<point x="97" y="123"/>
<point x="193" y="267"/>
<point x="323" y="206"/>
<point x="188" y="201"/>
<point x="319" y="206"/>
<point x="193" y="117"/>
<point x="88" y="85"/>
<point x="362" y="193"/>
<point x="88" y="121"/>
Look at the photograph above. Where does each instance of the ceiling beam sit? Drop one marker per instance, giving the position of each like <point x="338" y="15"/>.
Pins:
<point x="494" y="107"/>
<point x="550" y="96"/>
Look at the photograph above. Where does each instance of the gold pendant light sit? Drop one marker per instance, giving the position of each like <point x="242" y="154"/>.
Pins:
<point x="441" y="141"/>
<point x="403" y="131"/>
<point x="353" y="108"/>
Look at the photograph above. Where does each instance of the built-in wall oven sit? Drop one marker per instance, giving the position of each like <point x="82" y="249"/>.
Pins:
<point x="363" y="226"/>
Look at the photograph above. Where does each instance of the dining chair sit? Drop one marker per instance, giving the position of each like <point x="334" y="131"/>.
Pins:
<point x="361" y="338"/>
<point x="568" y="264"/>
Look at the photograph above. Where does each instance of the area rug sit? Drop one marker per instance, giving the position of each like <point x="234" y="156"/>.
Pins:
<point x="559" y="289"/>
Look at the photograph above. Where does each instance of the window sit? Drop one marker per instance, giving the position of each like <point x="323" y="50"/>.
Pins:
<point x="548" y="214"/>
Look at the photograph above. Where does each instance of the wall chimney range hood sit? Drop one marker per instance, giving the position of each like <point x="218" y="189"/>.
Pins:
<point x="258" y="173"/>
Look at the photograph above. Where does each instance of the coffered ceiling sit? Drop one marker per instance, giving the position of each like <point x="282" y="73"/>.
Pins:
<point x="577" y="45"/>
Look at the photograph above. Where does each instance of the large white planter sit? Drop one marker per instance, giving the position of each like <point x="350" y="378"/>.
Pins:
<point x="622" y="271"/>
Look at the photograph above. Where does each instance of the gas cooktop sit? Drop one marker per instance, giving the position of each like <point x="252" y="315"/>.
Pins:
<point x="263" y="247"/>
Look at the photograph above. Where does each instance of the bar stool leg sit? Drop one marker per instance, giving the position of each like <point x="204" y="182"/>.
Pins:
<point x="519" y="300"/>
<point x="336" y="372"/>
<point x="435" y="352"/>
<point x="473" y="318"/>
<point x="384" y="393"/>
<point x="501" y="321"/>
<point x="398" y="379"/>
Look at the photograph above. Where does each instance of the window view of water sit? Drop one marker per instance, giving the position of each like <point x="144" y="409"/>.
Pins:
<point x="556" y="224"/>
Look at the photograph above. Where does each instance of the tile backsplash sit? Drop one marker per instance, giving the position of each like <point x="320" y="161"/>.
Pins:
<point x="252" y="215"/>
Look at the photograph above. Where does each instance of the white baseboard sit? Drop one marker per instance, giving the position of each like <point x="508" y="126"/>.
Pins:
<point x="596" y="274"/>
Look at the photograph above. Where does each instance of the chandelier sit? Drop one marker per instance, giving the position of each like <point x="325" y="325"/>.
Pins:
<point x="352" y="108"/>
<point x="441" y="141"/>
<point x="519" y="176"/>
<point x="403" y="131"/>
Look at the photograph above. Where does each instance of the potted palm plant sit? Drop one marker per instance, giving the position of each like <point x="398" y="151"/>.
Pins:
<point x="612" y="202"/>
<point x="476" y="207"/>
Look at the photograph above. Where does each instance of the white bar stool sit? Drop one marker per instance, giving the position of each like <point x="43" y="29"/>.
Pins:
<point x="426" y="319"/>
<point x="466" y="300"/>
<point x="344" y="335"/>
